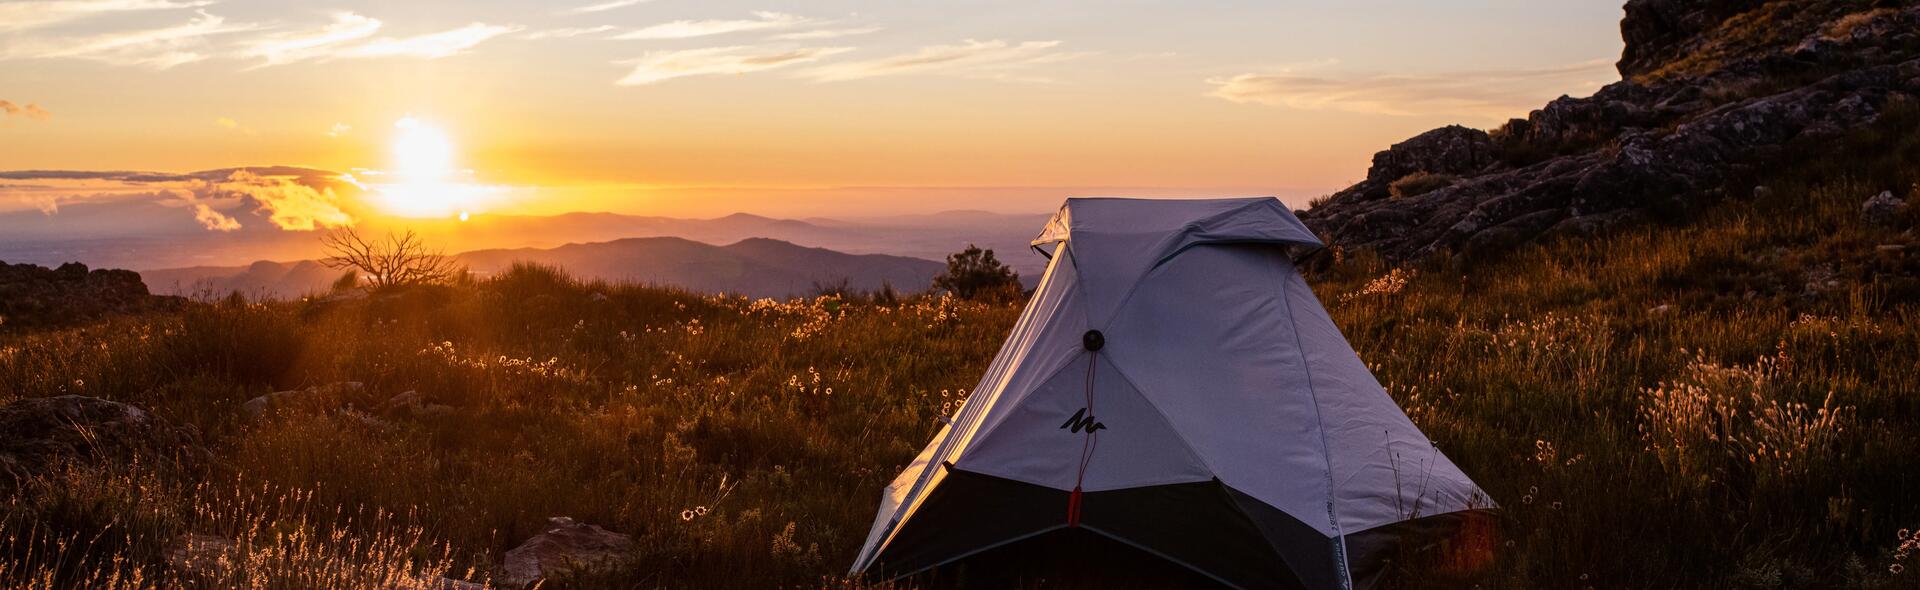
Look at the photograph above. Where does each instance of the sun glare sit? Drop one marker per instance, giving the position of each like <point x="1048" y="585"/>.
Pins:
<point x="421" y="151"/>
<point x="424" y="180"/>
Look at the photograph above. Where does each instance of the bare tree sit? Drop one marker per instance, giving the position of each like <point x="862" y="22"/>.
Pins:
<point x="400" y="259"/>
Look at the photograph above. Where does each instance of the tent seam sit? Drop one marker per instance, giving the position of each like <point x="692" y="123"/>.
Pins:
<point x="1319" y="420"/>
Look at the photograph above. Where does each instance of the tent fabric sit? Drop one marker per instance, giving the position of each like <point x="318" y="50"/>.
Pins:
<point x="1223" y="392"/>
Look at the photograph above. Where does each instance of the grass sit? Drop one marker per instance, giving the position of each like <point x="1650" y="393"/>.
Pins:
<point x="735" y="439"/>
<point x="1728" y="402"/>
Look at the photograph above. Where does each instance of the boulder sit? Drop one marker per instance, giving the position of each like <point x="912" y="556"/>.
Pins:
<point x="1448" y="150"/>
<point x="331" y="394"/>
<point x="565" y="546"/>
<point x="1883" y="209"/>
<point x="41" y="432"/>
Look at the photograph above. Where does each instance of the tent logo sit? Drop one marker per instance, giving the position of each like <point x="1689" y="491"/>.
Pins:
<point x="1081" y="421"/>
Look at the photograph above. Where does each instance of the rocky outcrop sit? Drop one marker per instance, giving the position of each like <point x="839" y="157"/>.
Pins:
<point x="1658" y="32"/>
<point x="1714" y="91"/>
<point x="565" y="547"/>
<point x="36" y="296"/>
<point x="40" y="433"/>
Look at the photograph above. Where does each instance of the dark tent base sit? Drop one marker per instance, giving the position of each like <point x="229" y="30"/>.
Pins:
<point x="1065" y="559"/>
<point x="1200" y="526"/>
<point x="977" y="530"/>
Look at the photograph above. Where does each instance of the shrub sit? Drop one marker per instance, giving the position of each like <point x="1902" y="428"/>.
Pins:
<point x="974" y="273"/>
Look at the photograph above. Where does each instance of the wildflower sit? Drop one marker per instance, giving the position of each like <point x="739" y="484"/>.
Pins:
<point x="686" y="515"/>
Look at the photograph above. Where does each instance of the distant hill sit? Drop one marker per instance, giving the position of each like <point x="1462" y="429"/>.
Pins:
<point x="145" y="233"/>
<point x="261" y="279"/>
<point x="756" y="267"/>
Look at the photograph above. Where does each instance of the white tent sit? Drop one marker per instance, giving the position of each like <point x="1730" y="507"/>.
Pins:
<point x="1174" y="385"/>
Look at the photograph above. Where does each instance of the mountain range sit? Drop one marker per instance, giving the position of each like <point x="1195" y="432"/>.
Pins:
<point x="755" y="267"/>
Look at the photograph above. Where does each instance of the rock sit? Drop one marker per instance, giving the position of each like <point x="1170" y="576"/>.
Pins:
<point x="36" y="296"/>
<point x="1659" y="31"/>
<point x="566" y="546"/>
<point x="195" y="554"/>
<point x="1883" y="209"/>
<point x="1702" y="106"/>
<point x="412" y="404"/>
<point x="1448" y="150"/>
<point x="40" y="432"/>
<point x="318" y="395"/>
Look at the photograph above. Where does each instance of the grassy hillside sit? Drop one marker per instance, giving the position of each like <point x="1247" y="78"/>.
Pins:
<point x="1727" y="402"/>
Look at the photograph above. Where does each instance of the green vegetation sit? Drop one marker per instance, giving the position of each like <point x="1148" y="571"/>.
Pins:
<point x="974" y="273"/>
<point x="1732" y="402"/>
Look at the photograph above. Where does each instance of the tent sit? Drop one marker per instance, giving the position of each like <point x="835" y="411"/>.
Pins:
<point x="1174" y="385"/>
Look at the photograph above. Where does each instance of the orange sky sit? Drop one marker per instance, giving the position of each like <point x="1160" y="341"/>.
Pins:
<point x="704" y="108"/>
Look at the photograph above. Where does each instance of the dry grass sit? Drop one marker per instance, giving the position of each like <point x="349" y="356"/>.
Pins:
<point x="735" y="439"/>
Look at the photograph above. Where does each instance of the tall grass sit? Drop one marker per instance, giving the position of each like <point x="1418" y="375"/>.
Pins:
<point x="735" y="439"/>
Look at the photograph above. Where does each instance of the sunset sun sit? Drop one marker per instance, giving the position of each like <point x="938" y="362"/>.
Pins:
<point x="424" y="180"/>
<point x="421" y="151"/>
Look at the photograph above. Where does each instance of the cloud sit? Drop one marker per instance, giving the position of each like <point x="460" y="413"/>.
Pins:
<point x="204" y="213"/>
<point x="565" y="33"/>
<point x="1486" y="93"/>
<point x="323" y="43"/>
<point x="990" y="59"/>
<point x="656" y="66"/>
<point x="20" y="16"/>
<point x="348" y="35"/>
<point x="29" y="110"/>
<point x="684" y="29"/>
<point x="339" y="130"/>
<point x="290" y="198"/>
<point x="820" y="34"/>
<point x="603" y="6"/>
<point x="159" y="48"/>
<point x="431" y="45"/>
<point x="227" y="123"/>
<point x="288" y="204"/>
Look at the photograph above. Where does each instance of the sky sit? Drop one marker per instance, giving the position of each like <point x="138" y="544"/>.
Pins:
<point x="820" y="108"/>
